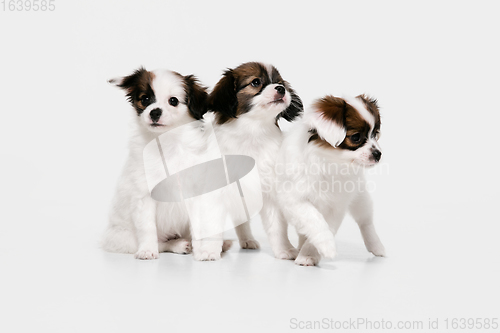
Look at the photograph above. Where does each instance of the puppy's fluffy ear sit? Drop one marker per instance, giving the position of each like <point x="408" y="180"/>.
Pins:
<point x="368" y="100"/>
<point x="196" y="97"/>
<point x="296" y="107"/>
<point x="327" y="116"/>
<point x="116" y="81"/>
<point x="223" y="98"/>
<point x="131" y="82"/>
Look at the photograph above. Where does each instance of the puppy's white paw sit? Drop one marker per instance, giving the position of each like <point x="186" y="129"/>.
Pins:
<point x="307" y="261"/>
<point x="181" y="246"/>
<point x="146" y="254"/>
<point x="287" y="254"/>
<point x="207" y="250"/>
<point x="206" y="256"/>
<point x="377" y="249"/>
<point x="249" y="244"/>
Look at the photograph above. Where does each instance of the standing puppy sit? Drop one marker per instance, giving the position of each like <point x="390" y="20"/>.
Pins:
<point x="321" y="176"/>
<point x="162" y="100"/>
<point x="247" y="103"/>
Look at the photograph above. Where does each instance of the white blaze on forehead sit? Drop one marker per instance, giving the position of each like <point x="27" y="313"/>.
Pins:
<point x="167" y="84"/>
<point x="269" y="69"/>
<point x="361" y="108"/>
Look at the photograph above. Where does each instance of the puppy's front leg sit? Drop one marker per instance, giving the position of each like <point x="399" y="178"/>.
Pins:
<point x="362" y="212"/>
<point x="244" y="233"/>
<point x="310" y="222"/>
<point x="277" y="232"/>
<point x="145" y="225"/>
<point x="308" y="255"/>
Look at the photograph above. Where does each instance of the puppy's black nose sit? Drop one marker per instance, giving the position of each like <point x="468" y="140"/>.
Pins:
<point x="155" y="114"/>
<point x="377" y="155"/>
<point x="280" y="90"/>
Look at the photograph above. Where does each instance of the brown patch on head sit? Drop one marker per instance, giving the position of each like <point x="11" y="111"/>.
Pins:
<point x="246" y="73"/>
<point x="232" y="95"/>
<point x="357" y="128"/>
<point x="332" y="109"/>
<point x="139" y="89"/>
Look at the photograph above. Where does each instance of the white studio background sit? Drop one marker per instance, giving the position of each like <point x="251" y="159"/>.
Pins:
<point x="434" y="67"/>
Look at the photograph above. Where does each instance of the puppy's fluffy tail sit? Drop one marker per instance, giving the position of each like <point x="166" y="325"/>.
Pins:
<point x="119" y="240"/>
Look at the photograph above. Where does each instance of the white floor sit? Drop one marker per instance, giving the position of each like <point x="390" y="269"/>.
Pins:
<point x="443" y="263"/>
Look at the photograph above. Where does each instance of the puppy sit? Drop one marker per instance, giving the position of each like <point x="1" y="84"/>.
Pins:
<point x="319" y="176"/>
<point x="247" y="103"/>
<point x="163" y="100"/>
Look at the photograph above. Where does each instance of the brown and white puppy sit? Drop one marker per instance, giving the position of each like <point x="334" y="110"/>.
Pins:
<point x="162" y="100"/>
<point x="247" y="103"/>
<point x="320" y="176"/>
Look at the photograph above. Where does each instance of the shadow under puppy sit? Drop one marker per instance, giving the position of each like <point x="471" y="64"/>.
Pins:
<point x="163" y="100"/>
<point x="247" y="103"/>
<point x="321" y="175"/>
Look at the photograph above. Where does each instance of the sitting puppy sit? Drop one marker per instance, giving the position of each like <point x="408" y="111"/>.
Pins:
<point x="247" y="103"/>
<point x="319" y="177"/>
<point x="163" y="100"/>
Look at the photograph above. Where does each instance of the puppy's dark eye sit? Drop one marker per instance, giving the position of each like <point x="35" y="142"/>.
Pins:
<point x="173" y="101"/>
<point x="355" y="138"/>
<point x="255" y="83"/>
<point x="145" y="100"/>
